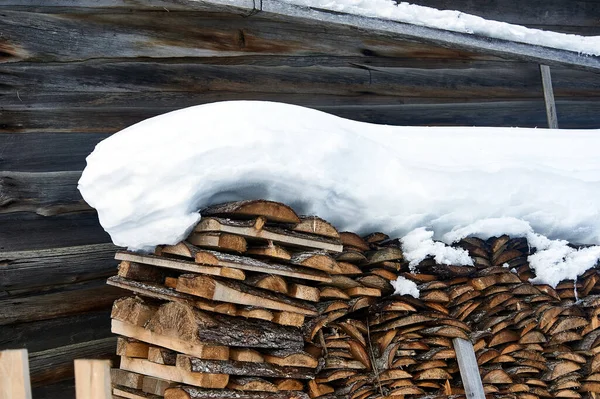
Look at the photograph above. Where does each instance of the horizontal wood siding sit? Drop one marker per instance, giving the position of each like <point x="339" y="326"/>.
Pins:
<point x="73" y="74"/>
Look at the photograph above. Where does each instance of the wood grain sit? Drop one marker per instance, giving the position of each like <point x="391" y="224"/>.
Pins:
<point x="14" y="375"/>
<point x="92" y="379"/>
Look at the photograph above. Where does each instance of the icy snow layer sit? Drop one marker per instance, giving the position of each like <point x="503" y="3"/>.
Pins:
<point x="456" y="21"/>
<point x="148" y="181"/>
<point x="403" y="286"/>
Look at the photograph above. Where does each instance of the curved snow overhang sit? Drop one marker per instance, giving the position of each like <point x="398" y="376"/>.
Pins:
<point x="405" y="31"/>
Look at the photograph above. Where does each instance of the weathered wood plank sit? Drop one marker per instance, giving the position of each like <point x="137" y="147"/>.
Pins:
<point x="469" y="371"/>
<point x="59" y="390"/>
<point x="46" y="194"/>
<point x="182" y="75"/>
<point x="75" y="299"/>
<point x="42" y="335"/>
<point x="118" y="34"/>
<point x="47" y="152"/>
<point x="26" y="270"/>
<point x="27" y="231"/>
<point x="56" y="364"/>
<point x="549" y="97"/>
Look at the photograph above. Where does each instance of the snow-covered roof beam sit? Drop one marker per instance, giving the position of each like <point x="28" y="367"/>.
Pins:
<point x="404" y="31"/>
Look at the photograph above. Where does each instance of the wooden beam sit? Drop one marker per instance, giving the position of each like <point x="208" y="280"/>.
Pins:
<point x="14" y="375"/>
<point x="403" y="31"/>
<point x="549" y="97"/>
<point x="92" y="379"/>
<point x="469" y="371"/>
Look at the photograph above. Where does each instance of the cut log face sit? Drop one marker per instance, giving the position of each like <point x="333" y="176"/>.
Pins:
<point x="316" y="225"/>
<point x="216" y="241"/>
<point x="270" y="251"/>
<point x="272" y="211"/>
<point x="353" y="240"/>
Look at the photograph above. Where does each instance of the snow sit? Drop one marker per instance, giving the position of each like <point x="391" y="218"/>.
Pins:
<point x="148" y="181"/>
<point x="456" y="21"/>
<point x="403" y="286"/>
<point x="418" y="245"/>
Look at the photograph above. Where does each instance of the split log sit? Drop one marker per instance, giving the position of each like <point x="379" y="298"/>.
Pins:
<point x="256" y="229"/>
<point x="250" y="209"/>
<point x="316" y="225"/>
<point x="194" y="393"/>
<point x="173" y="373"/>
<point x="232" y="367"/>
<point x="188" y="324"/>
<point x="217" y="241"/>
<point x="232" y="292"/>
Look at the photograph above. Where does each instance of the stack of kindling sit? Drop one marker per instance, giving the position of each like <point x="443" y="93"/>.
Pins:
<point x="259" y="302"/>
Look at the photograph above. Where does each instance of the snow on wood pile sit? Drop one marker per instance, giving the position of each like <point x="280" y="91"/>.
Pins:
<point x="260" y="302"/>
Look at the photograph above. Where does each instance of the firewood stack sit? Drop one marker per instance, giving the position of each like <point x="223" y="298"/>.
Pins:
<point x="259" y="302"/>
<point x="223" y="311"/>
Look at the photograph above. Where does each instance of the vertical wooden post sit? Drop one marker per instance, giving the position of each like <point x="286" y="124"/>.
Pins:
<point x="14" y="375"/>
<point x="549" y="97"/>
<point x="92" y="379"/>
<point x="469" y="371"/>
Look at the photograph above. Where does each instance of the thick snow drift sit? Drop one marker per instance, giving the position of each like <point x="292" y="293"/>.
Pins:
<point x="149" y="180"/>
<point x="456" y="21"/>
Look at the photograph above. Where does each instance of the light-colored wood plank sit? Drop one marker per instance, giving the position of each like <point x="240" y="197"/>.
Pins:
<point x="14" y="375"/>
<point x="92" y="379"/>
<point x="183" y="265"/>
<point x="173" y="373"/>
<point x="201" y="351"/>
<point x="549" y="97"/>
<point x="469" y="371"/>
<point x="224" y="291"/>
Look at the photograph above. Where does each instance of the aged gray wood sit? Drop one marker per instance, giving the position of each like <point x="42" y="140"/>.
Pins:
<point x="185" y="76"/>
<point x="46" y="152"/>
<point x="28" y="270"/>
<point x="469" y="371"/>
<point x="71" y="300"/>
<point x="27" y="231"/>
<point x="549" y="97"/>
<point x="46" y="334"/>
<point x="57" y="363"/>
<point x="502" y="48"/>
<point x="46" y="194"/>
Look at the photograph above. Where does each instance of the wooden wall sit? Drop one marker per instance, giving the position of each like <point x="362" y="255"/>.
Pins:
<point x="74" y="72"/>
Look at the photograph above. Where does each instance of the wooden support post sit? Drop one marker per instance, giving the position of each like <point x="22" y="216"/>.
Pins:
<point x="469" y="371"/>
<point x="14" y="375"/>
<point x="549" y="97"/>
<point x="92" y="379"/>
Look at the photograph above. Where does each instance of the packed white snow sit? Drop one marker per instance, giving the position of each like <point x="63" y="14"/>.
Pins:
<point x="148" y="181"/>
<point x="418" y="245"/>
<point x="456" y="21"/>
<point x="403" y="286"/>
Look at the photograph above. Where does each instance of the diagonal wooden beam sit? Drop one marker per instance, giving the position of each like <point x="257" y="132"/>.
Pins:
<point x="549" y="97"/>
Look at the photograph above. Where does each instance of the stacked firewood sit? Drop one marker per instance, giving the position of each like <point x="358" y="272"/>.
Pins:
<point x="260" y="302"/>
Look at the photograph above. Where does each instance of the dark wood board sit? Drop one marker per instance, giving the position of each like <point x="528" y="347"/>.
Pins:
<point x="30" y="270"/>
<point x="42" y="335"/>
<point x="27" y="231"/>
<point x="71" y="300"/>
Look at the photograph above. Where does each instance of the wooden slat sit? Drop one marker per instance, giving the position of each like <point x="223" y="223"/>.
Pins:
<point x="46" y="194"/>
<point x="549" y="97"/>
<point x="183" y="265"/>
<point x="199" y="350"/>
<point x="74" y="299"/>
<point x="173" y="373"/>
<point x="28" y="231"/>
<point x="29" y="270"/>
<point x="14" y="375"/>
<point x="61" y="331"/>
<point x="92" y="379"/>
<point x="61" y="359"/>
<point x="469" y="371"/>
